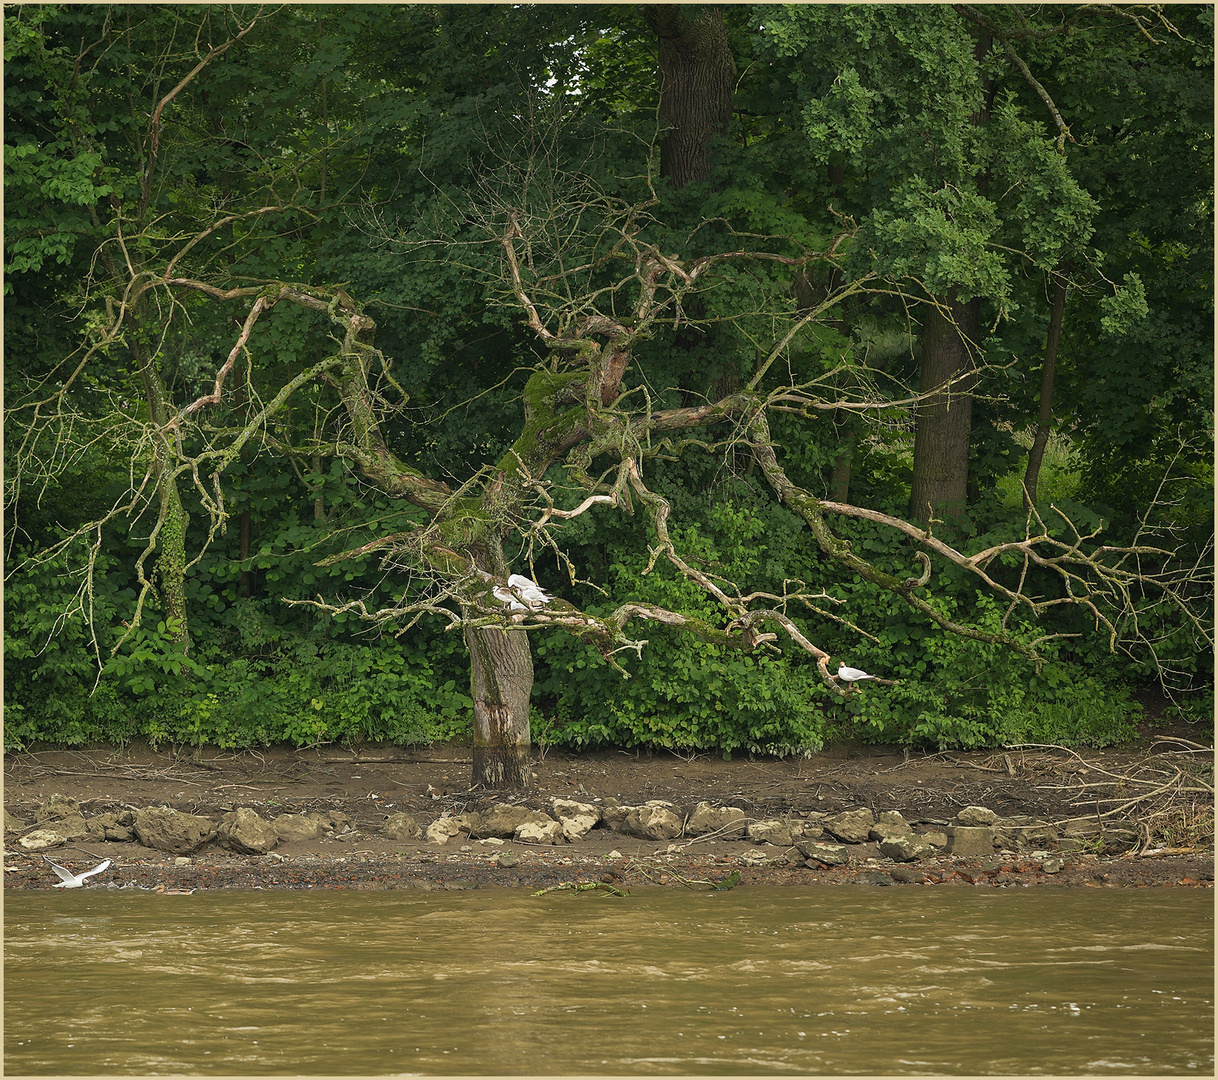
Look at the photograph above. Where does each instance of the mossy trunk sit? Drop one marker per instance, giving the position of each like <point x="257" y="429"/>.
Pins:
<point x="171" y="554"/>
<point x="501" y="682"/>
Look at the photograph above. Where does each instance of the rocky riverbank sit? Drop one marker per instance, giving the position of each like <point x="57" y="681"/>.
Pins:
<point x="385" y="818"/>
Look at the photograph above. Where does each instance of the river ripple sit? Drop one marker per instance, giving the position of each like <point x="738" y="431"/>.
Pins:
<point x="752" y="981"/>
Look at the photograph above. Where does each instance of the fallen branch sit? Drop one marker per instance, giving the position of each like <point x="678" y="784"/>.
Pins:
<point x="582" y="886"/>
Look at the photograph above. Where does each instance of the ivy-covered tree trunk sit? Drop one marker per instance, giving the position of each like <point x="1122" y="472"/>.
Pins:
<point x="945" y="419"/>
<point x="501" y="682"/>
<point x="172" y="517"/>
<point x="697" y="77"/>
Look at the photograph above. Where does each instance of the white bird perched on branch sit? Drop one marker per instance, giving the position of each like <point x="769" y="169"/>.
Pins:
<point x="853" y="674"/>
<point x="69" y="880"/>
<point x="528" y="591"/>
<point x="500" y="593"/>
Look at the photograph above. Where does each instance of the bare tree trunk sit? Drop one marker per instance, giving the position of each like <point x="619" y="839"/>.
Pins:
<point x="697" y="77"/>
<point x="846" y="428"/>
<point x="501" y="667"/>
<point x="1045" y="419"/>
<point x="944" y="420"/>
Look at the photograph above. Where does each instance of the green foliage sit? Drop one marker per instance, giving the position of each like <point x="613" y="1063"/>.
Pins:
<point x="957" y="692"/>
<point x="863" y="115"/>
<point x="683" y="694"/>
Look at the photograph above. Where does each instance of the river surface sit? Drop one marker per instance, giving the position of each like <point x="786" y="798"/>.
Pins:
<point x="902" y="980"/>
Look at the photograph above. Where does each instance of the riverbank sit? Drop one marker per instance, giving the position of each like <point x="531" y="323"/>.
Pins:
<point x="377" y="817"/>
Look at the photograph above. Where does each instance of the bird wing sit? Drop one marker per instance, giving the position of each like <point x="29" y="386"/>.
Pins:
<point x="64" y="875"/>
<point x="96" y="870"/>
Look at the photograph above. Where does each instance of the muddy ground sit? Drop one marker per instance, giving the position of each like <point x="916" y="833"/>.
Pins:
<point x="1163" y="839"/>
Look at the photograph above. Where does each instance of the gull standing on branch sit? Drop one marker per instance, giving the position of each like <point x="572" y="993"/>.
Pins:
<point x="853" y="674"/>
<point x="528" y="591"/>
<point x="69" y="880"/>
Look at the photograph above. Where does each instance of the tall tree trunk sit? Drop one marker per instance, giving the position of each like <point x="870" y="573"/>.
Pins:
<point x="1044" y="423"/>
<point x="846" y="428"/>
<point x="171" y="545"/>
<point x="944" y="420"/>
<point x="501" y="681"/>
<point x="949" y="348"/>
<point x="697" y="77"/>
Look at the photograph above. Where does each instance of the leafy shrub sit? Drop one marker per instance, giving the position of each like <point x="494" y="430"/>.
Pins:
<point x="683" y="693"/>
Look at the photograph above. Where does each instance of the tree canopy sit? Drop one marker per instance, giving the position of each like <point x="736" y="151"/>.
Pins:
<point x="606" y="374"/>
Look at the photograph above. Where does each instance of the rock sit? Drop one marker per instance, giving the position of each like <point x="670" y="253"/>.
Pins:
<point x="970" y="840"/>
<point x="444" y="829"/>
<point x="652" y="822"/>
<point x="57" y="807"/>
<point x="112" y="826"/>
<point x="905" y="847"/>
<point x="812" y="829"/>
<point x="504" y="819"/>
<point x="577" y="819"/>
<point x="973" y="816"/>
<point x="163" y="829"/>
<point x="935" y="837"/>
<point x="894" y="817"/>
<point x="851" y="826"/>
<point x="181" y="860"/>
<point x="73" y="827"/>
<point x="338" y="821"/>
<point x="290" y="827"/>
<point x="40" y="840"/>
<point x="817" y="852"/>
<point x="614" y="814"/>
<point x="1021" y="837"/>
<point x="506" y="859"/>
<point x="244" y="832"/>
<point x="12" y="824"/>
<point x="401" y="826"/>
<point x="907" y="877"/>
<point x="535" y="832"/>
<point x="726" y="822"/>
<point x="773" y="831"/>
<point x="872" y="877"/>
<point x="887" y="830"/>
<point x="1052" y="865"/>
<point x="330" y="821"/>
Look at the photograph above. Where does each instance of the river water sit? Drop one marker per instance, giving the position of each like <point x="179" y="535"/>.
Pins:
<point x="901" y="980"/>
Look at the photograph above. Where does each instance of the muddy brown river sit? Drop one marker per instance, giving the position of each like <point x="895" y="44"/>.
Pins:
<point x="751" y="981"/>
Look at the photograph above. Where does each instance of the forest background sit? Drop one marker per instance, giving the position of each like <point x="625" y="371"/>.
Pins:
<point x="319" y="320"/>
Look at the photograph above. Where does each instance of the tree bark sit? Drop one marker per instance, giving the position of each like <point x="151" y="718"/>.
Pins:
<point x="846" y="428"/>
<point x="944" y="420"/>
<point x="501" y="681"/>
<point x="1044" y="423"/>
<point x="697" y="77"/>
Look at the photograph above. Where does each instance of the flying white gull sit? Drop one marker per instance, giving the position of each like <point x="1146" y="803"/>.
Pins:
<point x="69" y="880"/>
<point x="852" y="674"/>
